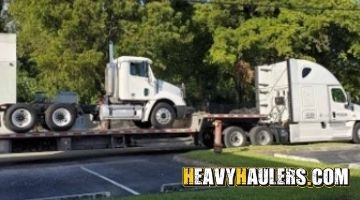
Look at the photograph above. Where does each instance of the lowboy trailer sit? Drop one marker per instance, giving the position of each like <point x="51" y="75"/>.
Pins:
<point x="201" y="130"/>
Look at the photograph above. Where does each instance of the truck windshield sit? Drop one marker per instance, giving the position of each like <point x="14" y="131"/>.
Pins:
<point x="139" y="69"/>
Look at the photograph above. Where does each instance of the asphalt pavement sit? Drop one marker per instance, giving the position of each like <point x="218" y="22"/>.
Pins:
<point x="332" y="156"/>
<point x="109" y="173"/>
<point x="121" y="175"/>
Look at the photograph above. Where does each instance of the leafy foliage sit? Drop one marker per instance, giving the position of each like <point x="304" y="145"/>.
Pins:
<point x="212" y="47"/>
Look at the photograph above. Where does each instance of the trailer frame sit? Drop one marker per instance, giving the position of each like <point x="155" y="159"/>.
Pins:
<point x="201" y="123"/>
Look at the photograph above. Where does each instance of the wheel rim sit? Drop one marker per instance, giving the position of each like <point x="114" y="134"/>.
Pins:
<point x="236" y="139"/>
<point x="61" y="117"/>
<point x="163" y="116"/>
<point x="263" y="138"/>
<point x="21" y="118"/>
<point x="358" y="133"/>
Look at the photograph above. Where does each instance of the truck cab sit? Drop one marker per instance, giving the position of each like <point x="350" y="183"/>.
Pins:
<point x="134" y="93"/>
<point x="308" y="100"/>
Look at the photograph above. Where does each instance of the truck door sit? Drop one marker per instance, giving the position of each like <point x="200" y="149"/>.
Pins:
<point x="140" y="85"/>
<point x="340" y="116"/>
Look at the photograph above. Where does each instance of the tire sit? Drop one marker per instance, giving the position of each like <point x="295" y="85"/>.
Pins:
<point x="60" y="117"/>
<point x="20" y="118"/>
<point x="261" y="135"/>
<point x="234" y="137"/>
<point x="162" y="116"/>
<point x="356" y="134"/>
<point x="141" y="124"/>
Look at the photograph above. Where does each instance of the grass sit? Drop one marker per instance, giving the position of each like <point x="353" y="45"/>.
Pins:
<point x="260" y="157"/>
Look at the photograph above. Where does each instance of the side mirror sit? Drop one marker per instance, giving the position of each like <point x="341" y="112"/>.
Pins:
<point x="183" y="90"/>
<point x="150" y="75"/>
<point x="349" y="104"/>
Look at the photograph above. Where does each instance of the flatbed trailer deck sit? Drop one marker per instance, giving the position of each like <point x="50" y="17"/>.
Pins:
<point x="202" y="126"/>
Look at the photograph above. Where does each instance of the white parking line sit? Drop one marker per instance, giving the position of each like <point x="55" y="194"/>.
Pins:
<point x="111" y="181"/>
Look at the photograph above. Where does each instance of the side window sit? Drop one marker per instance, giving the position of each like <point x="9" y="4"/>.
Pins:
<point x="338" y="95"/>
<point x="306" y="71"/>
<point x="139" y="69"/>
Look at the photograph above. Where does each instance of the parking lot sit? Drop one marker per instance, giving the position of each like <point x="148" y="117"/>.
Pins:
<point x="122" y="175"/>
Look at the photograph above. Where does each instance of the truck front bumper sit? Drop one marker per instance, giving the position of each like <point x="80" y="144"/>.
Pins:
<point x="184" y="111"/>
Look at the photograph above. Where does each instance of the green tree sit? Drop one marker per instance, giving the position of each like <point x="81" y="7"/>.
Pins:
<point x="323" y="32"/>
<point x="66" y="41"/>
<point x="212" y="47"/>
<point x="61" y="44"/>
<point x="211" y="19"/>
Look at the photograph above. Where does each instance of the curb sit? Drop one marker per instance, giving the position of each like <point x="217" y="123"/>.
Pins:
<point x="354" y="165"/>
<point x="300" y="158"/>
<point x="178" y="187"/>
<point x="191" y="162"/>
<point x="75" y="154"/>
<point x="84" y="196"/>
<point x="172" y="187"/>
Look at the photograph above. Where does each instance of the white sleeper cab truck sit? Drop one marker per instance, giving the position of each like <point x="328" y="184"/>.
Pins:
<point x="132" y="93"/>
<point x="307" y="100"/>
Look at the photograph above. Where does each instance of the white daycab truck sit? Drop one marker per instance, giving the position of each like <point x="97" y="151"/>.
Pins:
<point x="132" y="93"/>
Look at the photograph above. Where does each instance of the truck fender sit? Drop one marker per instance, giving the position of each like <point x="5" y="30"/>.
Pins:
<point x="172" y="99"/>
<point x="147" y="110"/>
<point x="150" y="105"/>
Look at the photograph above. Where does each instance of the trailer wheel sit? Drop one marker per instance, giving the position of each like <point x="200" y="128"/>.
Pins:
<point x="20" y="118"/>
<point x="141" y="124"/>
<point x="234" y="137"/>
<point x="162" y="116"/>
<point x="261" y="135"/>
<point x="60" y="117"/>
<point x="356" y="134"/>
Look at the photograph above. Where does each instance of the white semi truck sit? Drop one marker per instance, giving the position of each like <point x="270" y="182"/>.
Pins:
<point x="307" y="100"/>
<point x="132" y="93"/>
<point x="297" y="101"/>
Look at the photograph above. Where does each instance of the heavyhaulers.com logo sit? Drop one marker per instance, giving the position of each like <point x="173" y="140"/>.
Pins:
<point x="237" y="176"/>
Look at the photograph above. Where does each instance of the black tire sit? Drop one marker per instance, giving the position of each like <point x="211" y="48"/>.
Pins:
<point x="234" y="137"/>
<point x="261" y="135"/>
<point x="20" y="118"/>
<point x="356" y="134"/>
<point x="162" y="116"/>
<point x="141" y="124"/>
<point x="60" y="117"/>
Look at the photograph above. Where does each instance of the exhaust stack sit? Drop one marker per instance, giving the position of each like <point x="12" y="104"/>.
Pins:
<point x="111" y="51"/>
